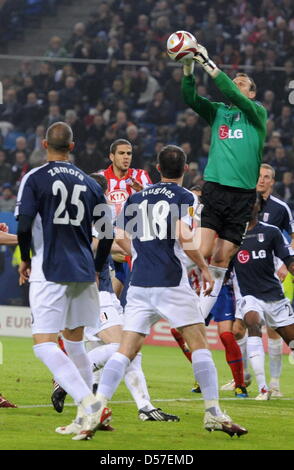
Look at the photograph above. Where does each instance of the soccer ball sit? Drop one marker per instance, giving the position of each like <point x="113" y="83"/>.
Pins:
<point x="181" y="46"/>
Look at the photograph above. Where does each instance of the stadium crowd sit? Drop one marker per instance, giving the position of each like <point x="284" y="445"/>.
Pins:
<point x="103" y="102"/>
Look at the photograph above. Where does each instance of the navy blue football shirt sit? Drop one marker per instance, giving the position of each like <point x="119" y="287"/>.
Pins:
<point x="61" y="199"/>
<point x="150" y="217"/>
<point x="254" y="263"/>
<point x="277" y="212"/>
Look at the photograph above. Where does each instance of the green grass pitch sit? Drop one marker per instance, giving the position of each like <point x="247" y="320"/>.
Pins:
<point x="26" y="381"/>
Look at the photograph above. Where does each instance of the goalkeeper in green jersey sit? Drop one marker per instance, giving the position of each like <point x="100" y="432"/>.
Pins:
<point x="238" y="133"/>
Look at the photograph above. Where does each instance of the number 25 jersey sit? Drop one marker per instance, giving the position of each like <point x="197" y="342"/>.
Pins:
<point x="61" y="199"/>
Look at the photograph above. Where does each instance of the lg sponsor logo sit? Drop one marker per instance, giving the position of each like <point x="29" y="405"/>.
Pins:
<point x="244" y="255"/>
<point x="224" y="132"/>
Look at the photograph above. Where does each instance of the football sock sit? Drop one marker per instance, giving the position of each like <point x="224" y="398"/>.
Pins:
<point x="100" y="355"/>
<point x="113" y="372"/>
<point x="255" y="353"/>
<point x="242" y="343"/>
<point x="181" y="342"/>
<point x="208" y="301"/>
<point x="77" y="353"/>
<point x="80" y="414"/>
<point x="206" y="375"/>
<point x="275" y="349"/>
<point x="136" y="383"/>
<point x="233" y="357"/>
<point x="63" y="369"/>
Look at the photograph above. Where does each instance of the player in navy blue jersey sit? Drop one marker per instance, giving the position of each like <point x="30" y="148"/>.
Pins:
<point x="259" y="291"/>
<point x="55" y="210"/>
<point x="156" y="226"/>
<point x="103" y="340"/>
<point x="275" y="212"/>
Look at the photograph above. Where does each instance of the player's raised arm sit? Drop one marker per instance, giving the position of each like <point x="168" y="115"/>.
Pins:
<point x="236" y="93"/>
<point x="205" y="108"/>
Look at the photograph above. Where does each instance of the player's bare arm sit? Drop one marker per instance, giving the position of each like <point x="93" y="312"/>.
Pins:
<point x="189" y="243"/>
<point x="123" y="241"/>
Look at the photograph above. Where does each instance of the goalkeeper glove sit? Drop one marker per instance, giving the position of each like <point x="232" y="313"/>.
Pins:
<point x="203" y="59"/>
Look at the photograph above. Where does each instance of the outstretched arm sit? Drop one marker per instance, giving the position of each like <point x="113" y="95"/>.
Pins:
<point x="255" y="112"/>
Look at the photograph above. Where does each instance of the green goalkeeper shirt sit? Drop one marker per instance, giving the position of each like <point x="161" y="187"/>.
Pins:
<point x="238" y="133"/>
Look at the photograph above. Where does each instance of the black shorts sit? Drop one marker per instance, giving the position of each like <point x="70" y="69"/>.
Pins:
<point x="227" y="210"/>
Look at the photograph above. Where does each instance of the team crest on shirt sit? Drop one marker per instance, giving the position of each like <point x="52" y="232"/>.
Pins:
<point x="260" y="237"/>
<point x="117" y="196"/>
<point x="265" y="217"/>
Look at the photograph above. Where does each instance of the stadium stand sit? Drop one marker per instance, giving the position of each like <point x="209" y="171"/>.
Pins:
<point x="141" y="100"/>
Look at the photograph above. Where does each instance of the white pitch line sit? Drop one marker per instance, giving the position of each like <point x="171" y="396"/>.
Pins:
<point x="166" y="400"/>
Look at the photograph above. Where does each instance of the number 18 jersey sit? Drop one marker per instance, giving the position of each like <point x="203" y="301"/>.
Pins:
<point x="150" y="217"/>
<point x="61" y="199"/>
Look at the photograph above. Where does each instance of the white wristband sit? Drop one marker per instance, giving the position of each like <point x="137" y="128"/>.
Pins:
<point x="188" y="69"/>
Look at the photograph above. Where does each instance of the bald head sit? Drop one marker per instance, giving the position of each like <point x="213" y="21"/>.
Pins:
<point x="59" y="138"/>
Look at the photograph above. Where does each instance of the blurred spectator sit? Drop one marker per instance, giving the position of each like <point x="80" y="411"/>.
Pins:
<point x="78" y="129"/>
<point x="19" y="168"/>
<point x="37" y="158"/>
<point x="31" y="114"/>
<point x="285" y="188"/>
<point x="77" y="35"/>
<point x="89" y="81"/>
<point x="28" y="87"/>
<point x="7" y="198"/>
<point x="159" y="111"/>
<point x="97" y="129"/>
<point x="52" y="98"/>
<point x="55" y="48"/>
<point x="11" y="107"/>
<point x="191" y="176"/>
<point x="144" y="87"/>
<point x="187" y="147"/>
<point x="54" y="115"/>
<point x="190" y="131"/>
<point x="284" y="124"/>
<point x="280" y="162"/>
<point x="84" y="49"/>
<point x="44" y="80"/>
<point x="36" y="138"/>
<point x="90" y="160"/>
<point x="20" y="146"/>
<point x="70" y="95"/>
<point x="5" y="169"/>
<point x="172" y="90"/>
<point x="132" y="135"/>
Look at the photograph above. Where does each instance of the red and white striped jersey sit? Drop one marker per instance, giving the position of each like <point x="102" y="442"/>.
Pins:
<point x="119" y="189"/>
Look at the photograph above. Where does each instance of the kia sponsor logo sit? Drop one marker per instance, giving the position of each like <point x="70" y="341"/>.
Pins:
<point x="118" y="196"/>
<point x="224" y="132"/>
<point x="243" y="256"/>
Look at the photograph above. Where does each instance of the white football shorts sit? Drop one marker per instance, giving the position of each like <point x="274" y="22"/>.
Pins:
<point x="57" y="306"/>
<point x="180" y="306"/>
<point x="275" y="314"/>
<point x="110" y="315"/>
